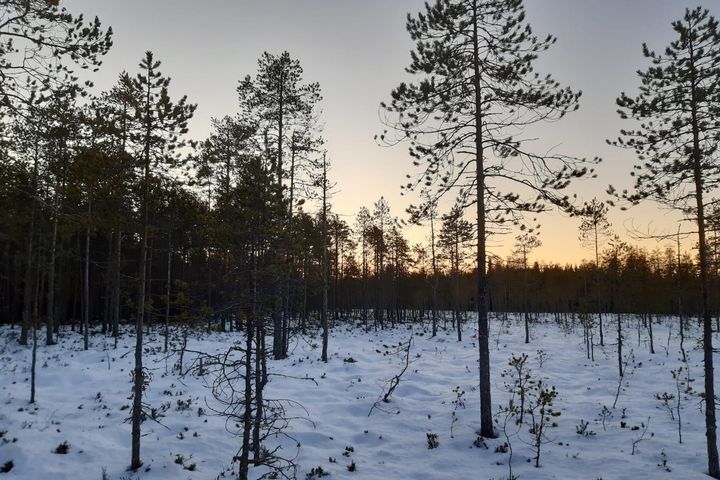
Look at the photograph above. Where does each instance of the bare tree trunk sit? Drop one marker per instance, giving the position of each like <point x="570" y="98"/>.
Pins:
<point x="116" y="287"/>
<point x="27" y="289"/>
<point x="323" y="313"/>
<point x="50" y="312"/>
<point x="597" y="288"/>
<point x="35" y="315"/>
<point x="435" y="271"/>
<point x="486" y="421"/>
<point x="107" y="301"/>
<point x="710" y="421"/>
<point x="247" y="414"/>
<point x="138" y="373"/>
<point x="259" y="384"/>
<point x="526" y="303"/>
<point x="620" y="345"/>
<point x="86" y="286"/>
<point x="167" y="294"/>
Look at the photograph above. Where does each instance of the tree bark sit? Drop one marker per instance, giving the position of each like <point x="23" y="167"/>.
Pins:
<point x="324" y="311"/>
<point x="486" y="423"/>
<point x="710" y="420"/>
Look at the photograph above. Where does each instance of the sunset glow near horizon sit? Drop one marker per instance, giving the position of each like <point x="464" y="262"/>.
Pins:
<point x="358" y="51"/>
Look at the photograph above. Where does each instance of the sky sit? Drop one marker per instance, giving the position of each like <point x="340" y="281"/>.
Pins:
<point x="358" y="49"/>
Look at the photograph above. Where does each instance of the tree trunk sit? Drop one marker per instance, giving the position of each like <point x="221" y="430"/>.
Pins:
<point x="167" y="295"/>
<point x="435" y="271"/>
<point x="27" y="289"/>
<point x="323" y="313"/>
<point x="138" y="374"/>
<point x="710" y="422"/>
<point x="486" y="421"/>
<point x="116" y="287"/>
<point x="50" y="312"/>
<point x="86" y="285"/>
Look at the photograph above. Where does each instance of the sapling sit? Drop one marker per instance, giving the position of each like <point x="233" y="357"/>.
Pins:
<point x="540" y="411"/>
<point x="678" y="383"/>
<point x="666" y="399"/>
<point x="521" y="381"/>
<point x="664" y="462"/>
<point x="403" y="348"/>
<point x="536" y="400"/>
<point x="623" y="369"/>
<point x="582" y="429"/>
<point x="542" y="356"/>
<point x="605" y="414"/>
<point x="510" y="428"/>
<point x="432" y="440"/>
<point x="458" y="403"/>
<point x="643" y="427"/>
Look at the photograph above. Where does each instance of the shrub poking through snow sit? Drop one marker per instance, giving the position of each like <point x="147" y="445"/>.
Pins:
<point x="582" y="429"/>
<point x="316" y="472"/>
<point x="541" y="412"/>
<point x="432" y="440"/>
<point x="62" y="449"/>
<point x="7" y="466"/>
<point x="479" y="442"/>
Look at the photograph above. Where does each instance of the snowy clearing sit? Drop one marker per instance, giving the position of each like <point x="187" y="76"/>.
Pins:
<point x="83" y="399"/>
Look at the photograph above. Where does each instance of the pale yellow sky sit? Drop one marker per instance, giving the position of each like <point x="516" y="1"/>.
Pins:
<point x="358" y="50"/>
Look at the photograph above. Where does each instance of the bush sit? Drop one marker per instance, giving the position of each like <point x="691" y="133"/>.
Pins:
<point x="62" y="449"/>
<point x="316" y="472"/>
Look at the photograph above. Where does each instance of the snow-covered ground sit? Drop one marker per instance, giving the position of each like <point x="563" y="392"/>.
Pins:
<point x="83" y="399"/>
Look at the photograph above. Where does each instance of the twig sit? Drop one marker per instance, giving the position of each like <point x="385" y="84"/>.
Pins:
<point x="395" y="381"/>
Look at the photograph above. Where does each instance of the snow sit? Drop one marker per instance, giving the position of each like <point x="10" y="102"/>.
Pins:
<point x="83" y="399"/>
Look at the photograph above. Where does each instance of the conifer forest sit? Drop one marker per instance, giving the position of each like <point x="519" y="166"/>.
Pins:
<point x="359" y="240"/>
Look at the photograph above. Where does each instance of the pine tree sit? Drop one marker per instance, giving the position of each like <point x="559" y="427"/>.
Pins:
<point x="593" y="227"/>
<point x="524" y="244"/>
<point x="39" y="43"/>
<point x="283" y="106"/>
<point x="455" y="234"/>
<point x="477" y="89"/>
<point x="161" y="126"/>
<point x="675" y="140"/>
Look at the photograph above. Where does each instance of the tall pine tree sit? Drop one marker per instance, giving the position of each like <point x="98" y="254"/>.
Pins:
<point x="676" y="142"/>
<point x="476" y="93"/>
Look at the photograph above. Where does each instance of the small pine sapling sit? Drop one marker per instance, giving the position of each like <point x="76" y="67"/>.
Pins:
<point x="458" y="402"/>
<point x="521" y="381"/>
<point x="541" y="412"/>
<point x="62" y="448"/>
<point x="432" y="440"/>
<point x="678" y="384"/>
